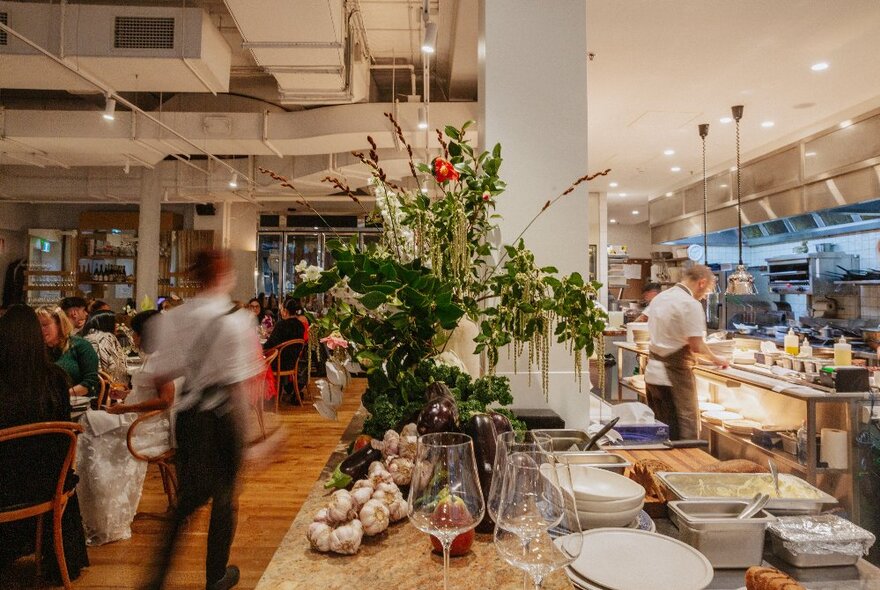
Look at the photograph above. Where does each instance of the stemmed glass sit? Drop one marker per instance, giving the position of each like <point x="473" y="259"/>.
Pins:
<point x="537" y="527"/>
<point x="445" y="497"/>
<point x="535" y="444"/>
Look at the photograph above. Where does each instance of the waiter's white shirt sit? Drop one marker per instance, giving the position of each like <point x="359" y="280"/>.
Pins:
<point x="204" y="343"/>
<point x="674" y="317"/>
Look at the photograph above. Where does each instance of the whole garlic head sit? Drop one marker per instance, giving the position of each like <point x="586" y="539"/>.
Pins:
<point x="391" y="441"/>
<point x="322" y="515"/>
<point x="375" y="517"/>
<point x="361" y="496"/>
<point x="398" y="509"/>
<point x="341" y="507"/>
<point x="400" y="469"/>
<point x="319" y="536"/>
<point x="376" y="467"/>
<point x="346" y="539"/>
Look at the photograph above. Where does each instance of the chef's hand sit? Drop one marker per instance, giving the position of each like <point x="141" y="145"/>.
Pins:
<point x="721" y="363"/>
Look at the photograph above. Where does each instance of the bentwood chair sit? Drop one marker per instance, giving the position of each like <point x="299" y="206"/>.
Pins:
<point x="259" y="399"/>
<point x="54" y="497"/>
<point x="285" y="350"/>
<point x="104" y="391"/>
<point x="164" y="461"/>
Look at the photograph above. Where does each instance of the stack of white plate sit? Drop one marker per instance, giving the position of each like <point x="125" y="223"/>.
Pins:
<point x="605" y="498"/>
<point x="627" y="559"/>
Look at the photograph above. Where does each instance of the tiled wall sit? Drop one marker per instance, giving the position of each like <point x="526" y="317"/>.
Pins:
<point x="864" y="244"/>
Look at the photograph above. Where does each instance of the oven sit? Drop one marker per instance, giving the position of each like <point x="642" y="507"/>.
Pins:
<point x="807" y="274"/>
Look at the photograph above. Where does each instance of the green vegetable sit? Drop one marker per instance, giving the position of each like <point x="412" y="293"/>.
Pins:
<point x="338" y="480"/>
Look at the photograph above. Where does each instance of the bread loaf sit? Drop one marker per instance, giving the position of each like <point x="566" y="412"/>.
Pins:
<point x="643" y="473"/>
<point x="736" y="466"/>
<point x="767" y="578"/>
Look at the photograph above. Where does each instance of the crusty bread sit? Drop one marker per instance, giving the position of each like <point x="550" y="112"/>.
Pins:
<point x="736" y="466"/>
<point x="643" y="473"/>
<point x="768" y="578"/>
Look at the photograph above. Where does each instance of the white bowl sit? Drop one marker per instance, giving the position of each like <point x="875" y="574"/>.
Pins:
<point x="611" y="506"/>
<point x="595" y="520"/>
<point x="599" y="485"/>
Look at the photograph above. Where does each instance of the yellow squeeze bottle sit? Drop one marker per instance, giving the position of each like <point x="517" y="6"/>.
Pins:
<point x="842" y="353"/>
<point x="791" y="343"/>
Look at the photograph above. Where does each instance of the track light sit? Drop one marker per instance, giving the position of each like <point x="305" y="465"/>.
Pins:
<point x="233" y="182"/>
<point x="430" y="43"/>
<point x="127" y="168"/>
<point x="110" y="109"/>
<point x="423" y="118"/>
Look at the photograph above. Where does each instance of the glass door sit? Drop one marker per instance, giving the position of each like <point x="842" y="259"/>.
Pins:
<point x="299" y="247"/>
<point x="269" y="267"/>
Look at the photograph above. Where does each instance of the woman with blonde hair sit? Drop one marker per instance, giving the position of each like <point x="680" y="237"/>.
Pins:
<point x="72" y="353"/>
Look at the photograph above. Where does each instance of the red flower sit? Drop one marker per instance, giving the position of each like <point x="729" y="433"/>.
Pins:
<point x="486" y="195"/>
<point x="444" y="171"/>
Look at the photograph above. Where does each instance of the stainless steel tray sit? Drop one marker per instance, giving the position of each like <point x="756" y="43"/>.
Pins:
<point x="566" y="439"/>
<point x="741" y="486"/>
<point x="600" y="459"/>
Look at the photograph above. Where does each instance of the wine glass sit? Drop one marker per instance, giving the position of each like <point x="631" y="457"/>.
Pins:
<point x="533" y="443"/>
<point x="537" y="527"/>
<point x="445" y="497"/>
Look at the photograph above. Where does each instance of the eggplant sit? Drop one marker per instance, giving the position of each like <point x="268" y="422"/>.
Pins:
<point x="502" y="423"/>
<point x="353" y="467"/>
<point x="481" y="428"/>
<point x="438" y="415"/>
<point x="437" y="389"/>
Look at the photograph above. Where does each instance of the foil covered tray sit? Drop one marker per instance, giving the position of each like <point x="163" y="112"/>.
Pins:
<point x="797" y="496"/>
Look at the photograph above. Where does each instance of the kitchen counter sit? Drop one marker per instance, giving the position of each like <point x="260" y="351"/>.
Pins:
<point x="871" y="357"/>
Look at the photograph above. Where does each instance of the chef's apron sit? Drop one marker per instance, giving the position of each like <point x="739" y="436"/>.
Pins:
<point x="684" y="413"/>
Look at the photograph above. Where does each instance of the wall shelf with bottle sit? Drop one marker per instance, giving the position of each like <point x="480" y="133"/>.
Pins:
<point x="107" y="258"/>
<point x="50" y="275"/>
<point x="176" y="256"/>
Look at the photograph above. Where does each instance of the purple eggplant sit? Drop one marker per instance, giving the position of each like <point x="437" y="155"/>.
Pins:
<point x="481" y="428"/>
<point x="437" y="389"/>
<point x="439" y="415"/>
<point x="353" y="467"/>
<point x="502" y="422"/>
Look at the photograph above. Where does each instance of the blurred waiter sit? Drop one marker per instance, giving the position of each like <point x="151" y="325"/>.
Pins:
<point x="215" y="348"/>
<point x="677" y="326"/>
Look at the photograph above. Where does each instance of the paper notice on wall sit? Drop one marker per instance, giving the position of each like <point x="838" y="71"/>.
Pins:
<point x="632" y="271"/>
<point x="124" y="291"/>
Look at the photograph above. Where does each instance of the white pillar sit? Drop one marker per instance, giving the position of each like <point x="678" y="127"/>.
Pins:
<point x="533" y="100"/>
<point x="149" y="218"/>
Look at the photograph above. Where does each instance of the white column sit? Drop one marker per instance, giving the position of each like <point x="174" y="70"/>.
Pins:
<point x="149" y="218"/>
<point x="533" y="100"/>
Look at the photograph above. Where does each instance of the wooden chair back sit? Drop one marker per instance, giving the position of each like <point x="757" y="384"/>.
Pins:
<point x="292" y="371"/>
<point x="66" y="432"/>
<point x="104" y="391"/>
<point x="164" y="461"/>
<point x="259" y="398"/>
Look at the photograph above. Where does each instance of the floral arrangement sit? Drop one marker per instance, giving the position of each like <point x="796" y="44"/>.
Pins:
<point x="399" y="301"/>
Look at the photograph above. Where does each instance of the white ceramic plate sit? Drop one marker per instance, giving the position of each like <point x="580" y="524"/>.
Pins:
<point x="741" y="426"/>
<point x="710" y="407"/>
<point x="663" y="563"/>
<point x="600" y="485"/>
<point x="610" y="506"/>
<point x="720" y="417"/>
<point x="595" y="520"/>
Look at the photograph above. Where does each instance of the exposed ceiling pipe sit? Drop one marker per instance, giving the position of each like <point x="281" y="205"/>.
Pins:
<point x="410" y="67"/>
<point x="140" y="161"/>
<point x="110" y="93"/>
<point x="17" y="158"/>
<point x="266" y="141"/>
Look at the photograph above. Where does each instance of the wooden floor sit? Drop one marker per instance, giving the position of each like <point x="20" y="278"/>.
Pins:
<point x="269" y="501"/>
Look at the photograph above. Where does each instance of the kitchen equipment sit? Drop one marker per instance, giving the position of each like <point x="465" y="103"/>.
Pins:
<point x="756" y="505"/>
<point x="719" y="417"/>
<point x="565" y="439"/>
<point x="826" y="247"/>
<point x="807" y="273"/>
<point x="871" y="337"/>
<point x="598" y="485"/>
<point x="791" y="342"/>
<point x="819" y="541"/>
<point x="824" y="307"/>
<point x="845" y="379"/>
<point x="632" y="327"/>
<point x="710" y="407"/>
<point x="596" y="437"/>
<point x="835" y="448"/>
<point x="798" y="496"/>
<point x="774" y="473"/>
<point x="598" y="459"/>
<point x="714" y="529"/>
<point x="744" y="427"/>
<point x="606" y="561"/>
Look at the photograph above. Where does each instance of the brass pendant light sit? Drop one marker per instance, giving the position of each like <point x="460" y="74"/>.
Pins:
<point x="704" y="131"/>
<point x="740" y="282"/>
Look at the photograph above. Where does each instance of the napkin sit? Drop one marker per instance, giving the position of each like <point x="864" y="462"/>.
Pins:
<point x="633" y="413"/>
<point x="101" y="422"/>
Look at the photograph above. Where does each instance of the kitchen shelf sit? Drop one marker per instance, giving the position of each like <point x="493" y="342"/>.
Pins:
<point x="68" y="288"/>
<point x="108" y="257"/>
<point x="782" y="457"/>
<point x="864" y="283"/>
<point x="105" y="282"/>
<point x="48" y="273"/>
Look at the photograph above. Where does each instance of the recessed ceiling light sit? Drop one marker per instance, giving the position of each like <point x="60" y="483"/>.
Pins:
<point x="725" y="120"/>
<point x="675" y="169"/>
<point x="723" y="186"/>
<point x="810" y="154"/>
<point x="668" y="152"/>
<point x="622" y="194"/>
<point x="767" y="124"/>
<point x="669" y="194"/>
<point x="818" y="67"/>
<point x="612" y="221"/>
<point x="612" y="184"/>
<point x="733" y="168"/>
<point x="635" y="211"/>
<point x="845" y="124"/>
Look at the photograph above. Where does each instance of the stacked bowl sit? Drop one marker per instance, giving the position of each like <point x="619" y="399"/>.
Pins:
<point x="604" y="498"/>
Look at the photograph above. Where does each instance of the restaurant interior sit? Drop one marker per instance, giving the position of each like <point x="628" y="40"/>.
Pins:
<point x="586" y="291"/>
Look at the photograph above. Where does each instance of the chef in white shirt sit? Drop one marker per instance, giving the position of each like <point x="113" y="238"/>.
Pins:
<point x="677" y="325"/>
<point x="649" y="291"/>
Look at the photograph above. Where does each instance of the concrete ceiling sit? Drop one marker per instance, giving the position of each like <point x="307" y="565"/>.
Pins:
<point x="662" y="67"/>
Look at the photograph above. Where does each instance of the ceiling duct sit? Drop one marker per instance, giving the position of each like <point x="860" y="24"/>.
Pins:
<point x="134" y="48"/>
<point x="307" y="46"/>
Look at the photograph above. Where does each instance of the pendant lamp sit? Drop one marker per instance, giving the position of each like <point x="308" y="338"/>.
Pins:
<point x="704" y="131"/>
<point x="740" y="282"/>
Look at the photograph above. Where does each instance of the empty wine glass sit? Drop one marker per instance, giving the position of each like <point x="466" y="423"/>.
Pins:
<point x="532" y="443"/>
<point x="537" y="528"/>
<point x="445" y="497"/>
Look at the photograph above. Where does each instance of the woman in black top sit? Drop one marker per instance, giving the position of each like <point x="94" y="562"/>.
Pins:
<point x="292" y="325"/>
<point x="33" y="389"/>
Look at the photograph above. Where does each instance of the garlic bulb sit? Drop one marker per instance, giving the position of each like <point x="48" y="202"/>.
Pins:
<point x="322" y="515"/>
<point x="341" y="507"/>
<point x="346" y="539"/>
<point x="319" y="536"/>
<point x="400" y="470"/>
<point x="362" y="495"/>
<point x="380" y="477"/>
<point x="376" y="467"/>
<point x="375" y="517"/>
<point x="399" y="509"/>
<point x="410" y="430"/>
<point x="407" y="446"/>
<point x="390" y="441"/>
<point x="388" y="488"/>
<point x="363" y="483"/>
